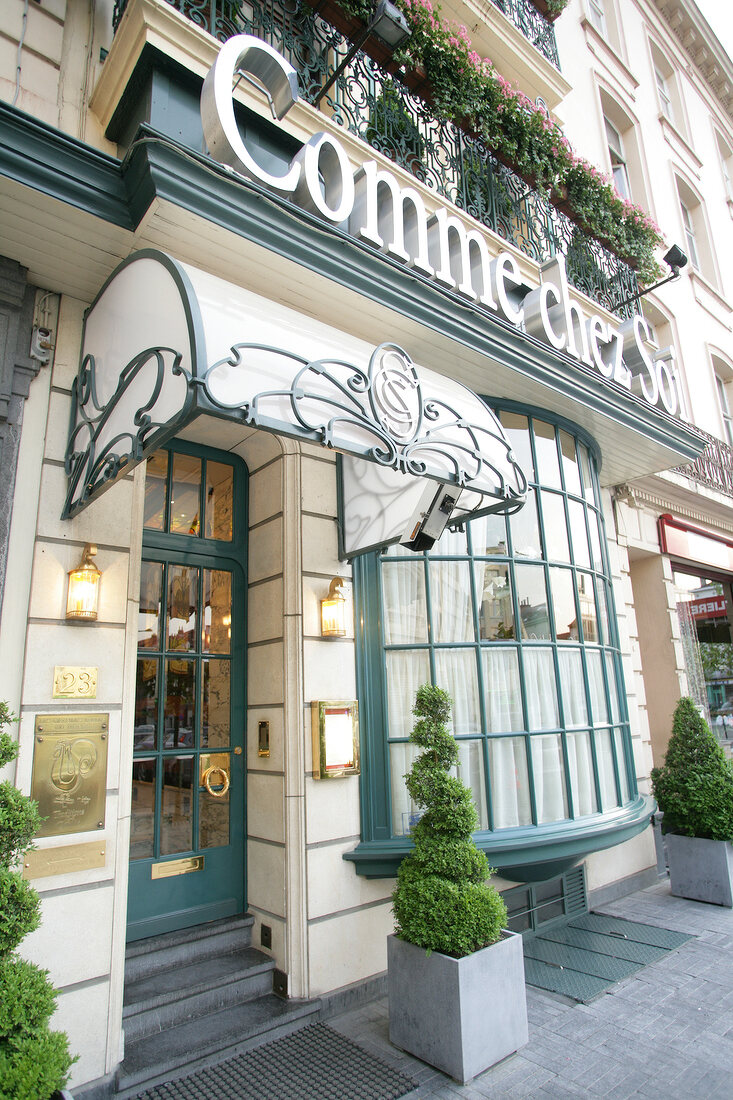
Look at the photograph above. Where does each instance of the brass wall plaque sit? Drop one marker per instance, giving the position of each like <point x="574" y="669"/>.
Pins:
<point x="75" y="682"/>
<point x="62" y="861"/>
<point x="70" y="772"/>
<point x="172" y="867"/>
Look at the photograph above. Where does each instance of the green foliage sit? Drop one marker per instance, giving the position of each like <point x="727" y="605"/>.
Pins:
<point x="34" y="1061"/>
<point x="694" y="788"/>
<point x="717" y="659"/>
<point x="442" y="900"/>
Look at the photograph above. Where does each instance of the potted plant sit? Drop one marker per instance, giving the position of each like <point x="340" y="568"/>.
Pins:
<point x="694" y="790"/>
<point x="34" y="1061"/>
<point x="455" y="978"/>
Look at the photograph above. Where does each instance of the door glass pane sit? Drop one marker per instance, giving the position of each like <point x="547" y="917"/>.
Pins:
<point x="215" y="704"/>
<point x="450" y="543"/>
<point x="517" y="429"/>
<point x="219" y="500"/>
<point x="470" y="771"/>
<point x="563" y="603"/>
<point x="179" y="726"/>
<point x="406" y="671"/>
<point x="151" y="588"/>
<point x="185" y="495"/>
<point x="526" y="530"/>
<point x="569" y="463"/>
<point x="156" y="471"/>
<point x="405" y="611"/>
<point x="217" y="611"/>
<point x="549" y="779"/>
<point x="142" y="813"/>
<point x="578" y="533"/>
<point x="146" y="704"/>
<point x="214" y="808"/>
<point x="548" y="467"/>
<point x="534" y="620"/>
<point x="182" y="599"/>
<point x="488" y="535"/>
<point x="455" y="672"/>
<point x="510" y="802"/>
<point x="580" y="763"/>
<point x="502" y="690"/>
<point x="572" y="685"/>
<point x="176" y="817"/>
<point x="450" y="601"/>
<point x="539" y="678"/>
<point x="494" y="596"/>
<point x="556" y="527"/>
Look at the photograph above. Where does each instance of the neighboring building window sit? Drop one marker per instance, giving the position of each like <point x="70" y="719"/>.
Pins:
<point x="690" y="235"/>
<point x="665" y="99"/>
<point x="618" y="160"/>
<point x="597" y="15"/>
<point x="726" y="165"/>
<point x="723" y="383"/>
<point x="514" y="618"/>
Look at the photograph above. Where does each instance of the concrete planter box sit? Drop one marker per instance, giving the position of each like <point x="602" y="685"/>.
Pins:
<point x="701" y="869"/>
<point x="459" y="1015"/>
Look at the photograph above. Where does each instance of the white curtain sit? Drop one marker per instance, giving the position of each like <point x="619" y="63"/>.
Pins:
<point x="470" y="771"/>
<point x="404" y="811"/>
<point x="407" y="669"/>
<point x="573" y="688"/>
<point x="501" y="690"/>
<point x="405" y="617"/>
<point x="606" y="777"/>
<point x="597" y="687"/>
<point x="549" y="778"/>
<point x="625" y="788"/>
<point x="509" y="782"/>
<point x="580" y="763"/>
<point x="455" y="672"/>
<point x="450" y="601"/>
<point x="539" y="679"/>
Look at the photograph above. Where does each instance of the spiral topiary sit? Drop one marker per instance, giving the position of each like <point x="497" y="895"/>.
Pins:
<point x="442" y="900"/>
<point x="34" y="1061"/>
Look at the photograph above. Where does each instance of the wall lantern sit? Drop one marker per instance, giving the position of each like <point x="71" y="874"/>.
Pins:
<point x="333" y="611"/>
<point x="83" y="597"/>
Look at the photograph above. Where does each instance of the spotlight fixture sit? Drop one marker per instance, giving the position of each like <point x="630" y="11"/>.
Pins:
<point x="388" y="24"/>
<point x="676" y="260"/>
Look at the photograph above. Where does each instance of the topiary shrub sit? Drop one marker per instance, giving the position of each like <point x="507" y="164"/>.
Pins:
<point x="694" y="788"/>
<point x="442" y="900"/>
<point x="34" y="1061"/>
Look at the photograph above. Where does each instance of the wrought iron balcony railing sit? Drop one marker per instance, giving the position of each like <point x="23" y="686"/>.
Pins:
<point x="714" y="467"/>
<point x="533" y="25"/>
<point x="373" y="104"/>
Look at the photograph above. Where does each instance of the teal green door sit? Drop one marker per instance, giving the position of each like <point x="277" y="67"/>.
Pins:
<point x="187" y="815"/>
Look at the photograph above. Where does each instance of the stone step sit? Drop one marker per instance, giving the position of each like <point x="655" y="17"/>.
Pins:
<point x="204" y="941"/>
<point x="177" y="1050"/>
<point x="167" y="998"/>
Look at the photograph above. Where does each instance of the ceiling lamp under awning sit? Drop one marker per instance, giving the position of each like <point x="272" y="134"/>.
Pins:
<point x="165" y="343"/>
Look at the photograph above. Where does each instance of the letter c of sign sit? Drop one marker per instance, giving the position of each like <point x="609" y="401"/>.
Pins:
<point x="244" y="53"/>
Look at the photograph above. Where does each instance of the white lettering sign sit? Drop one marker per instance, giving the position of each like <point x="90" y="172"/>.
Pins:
<point x="393" y="219"/>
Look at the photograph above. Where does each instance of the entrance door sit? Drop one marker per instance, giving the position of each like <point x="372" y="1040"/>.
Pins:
<point x="187" y="814"/>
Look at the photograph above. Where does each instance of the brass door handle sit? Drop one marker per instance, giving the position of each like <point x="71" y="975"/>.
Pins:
<point x="206" y="779"/>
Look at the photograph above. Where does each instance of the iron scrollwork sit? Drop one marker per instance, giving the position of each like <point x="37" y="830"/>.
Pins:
<point x="97" y="451"/>
<point x="381" y="413"/>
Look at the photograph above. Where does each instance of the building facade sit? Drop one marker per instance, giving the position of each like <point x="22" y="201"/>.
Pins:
<point x="248" y="346"/>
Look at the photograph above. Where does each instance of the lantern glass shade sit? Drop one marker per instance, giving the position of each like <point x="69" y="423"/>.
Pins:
<point x="333" y="612"/>
<point x="83" y="595"/>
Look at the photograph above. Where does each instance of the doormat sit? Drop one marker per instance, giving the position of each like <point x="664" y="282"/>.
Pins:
<point x="583" y="957"/>
<point x="315" y="1062"/>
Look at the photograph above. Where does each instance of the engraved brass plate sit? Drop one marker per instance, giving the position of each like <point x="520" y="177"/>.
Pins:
<point x="62" y="861"/>
<point x="70" y="772"/>
<point x="75" y="682"/>
<point x="172" y="867"/>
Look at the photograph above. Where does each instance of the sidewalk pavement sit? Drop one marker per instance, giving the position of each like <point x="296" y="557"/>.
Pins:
<point x="666" y="1031"/>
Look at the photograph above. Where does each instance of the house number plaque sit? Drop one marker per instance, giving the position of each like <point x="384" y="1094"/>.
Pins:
<point x="70" y="772"/>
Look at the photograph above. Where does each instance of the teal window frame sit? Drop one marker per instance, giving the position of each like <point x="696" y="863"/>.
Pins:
<point x="526" y="852"/>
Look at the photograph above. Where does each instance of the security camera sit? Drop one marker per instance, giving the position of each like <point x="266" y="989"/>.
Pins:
<point x="429" y="519"/>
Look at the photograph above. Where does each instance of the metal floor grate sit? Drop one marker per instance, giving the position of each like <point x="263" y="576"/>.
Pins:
<point x="313" y="1062"/>
<point x="585" y="955"/>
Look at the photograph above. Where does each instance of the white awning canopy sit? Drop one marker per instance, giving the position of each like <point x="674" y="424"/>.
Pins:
<point x="165" y="343"/>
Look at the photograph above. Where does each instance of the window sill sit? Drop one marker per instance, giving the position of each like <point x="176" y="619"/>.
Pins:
<point x="679" y="144"/>
<point x="523" y="855"/>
